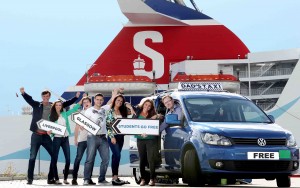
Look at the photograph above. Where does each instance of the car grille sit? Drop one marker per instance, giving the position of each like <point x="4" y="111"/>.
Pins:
<point x="253" y="141"/>
<point x="257" y="166"/>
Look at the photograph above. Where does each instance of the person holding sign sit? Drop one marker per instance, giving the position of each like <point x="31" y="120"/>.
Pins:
<point x="80" y="137"/>
<point x="147" y="144"/>
<point x="98" y="141"/>
<point x="41" y="110"/>
<point x="60" y="117"/>
<point x="118" y="110"/>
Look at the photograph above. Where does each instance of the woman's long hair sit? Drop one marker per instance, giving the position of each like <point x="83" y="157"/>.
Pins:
<point x="151" y="111"/>
<point x="123" y="109"/>
<point x="53" y="114"/>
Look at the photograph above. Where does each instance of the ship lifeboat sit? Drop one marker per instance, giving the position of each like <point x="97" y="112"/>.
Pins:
<point x="133" y="85"/>
<point x="229" y="82"/>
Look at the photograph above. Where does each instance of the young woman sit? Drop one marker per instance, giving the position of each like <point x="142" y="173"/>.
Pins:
<point x="147" y="145"/>
<point x="59" y="116"/>
<point x="118" y="110"/>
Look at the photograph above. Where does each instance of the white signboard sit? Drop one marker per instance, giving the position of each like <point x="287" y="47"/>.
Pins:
<point x="136" y="126"/>
<point x="51" y="126"/>
<point x="85" y="122"/>
<point x="201" y="86"/>
<point x="263" y="155"/>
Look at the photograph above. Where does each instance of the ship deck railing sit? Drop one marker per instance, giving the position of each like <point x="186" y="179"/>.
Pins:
<point x="270" y="91"/>
<point x="273" y="72"/>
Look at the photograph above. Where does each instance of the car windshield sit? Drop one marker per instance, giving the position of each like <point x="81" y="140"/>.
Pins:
<point x="224" y="109"/>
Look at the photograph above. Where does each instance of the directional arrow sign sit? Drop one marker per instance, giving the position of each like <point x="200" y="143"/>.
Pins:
<point x="136" y="126"/>
<point x="51" y="126"/>
<point x="85" y="122"/>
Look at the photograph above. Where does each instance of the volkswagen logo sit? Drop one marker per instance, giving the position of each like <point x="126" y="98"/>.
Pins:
<point x="261" y="142"/>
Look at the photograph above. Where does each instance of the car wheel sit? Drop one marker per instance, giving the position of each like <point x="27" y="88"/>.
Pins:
<point x="191" y="169"/>
<point x="283" y="181"/>
<point x="137" y="176"/>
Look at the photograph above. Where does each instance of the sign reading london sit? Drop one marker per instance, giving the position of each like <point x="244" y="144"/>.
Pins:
<point x="85" y="122"/>
<point x="136" y="126"/>
<point x="51" y="126"/>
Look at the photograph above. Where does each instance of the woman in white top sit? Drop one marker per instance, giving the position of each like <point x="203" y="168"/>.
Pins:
<point x="59" y="116"/>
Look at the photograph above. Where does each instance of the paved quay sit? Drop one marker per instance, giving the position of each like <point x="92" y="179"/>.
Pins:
<point x="43" y="183"/>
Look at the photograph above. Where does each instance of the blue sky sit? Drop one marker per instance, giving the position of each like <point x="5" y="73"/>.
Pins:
<point x="51" y="43"/>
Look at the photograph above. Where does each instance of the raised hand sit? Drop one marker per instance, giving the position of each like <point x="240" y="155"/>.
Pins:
<point x="22" y="90"/>
<point x="77" y="94"/>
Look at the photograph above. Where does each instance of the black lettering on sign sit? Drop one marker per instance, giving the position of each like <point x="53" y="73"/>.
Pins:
<point x="86" y="123"/>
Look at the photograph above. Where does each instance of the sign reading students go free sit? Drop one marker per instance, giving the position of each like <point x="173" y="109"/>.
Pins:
<point x="136" y="126"/>
<point x="51" y="126"/>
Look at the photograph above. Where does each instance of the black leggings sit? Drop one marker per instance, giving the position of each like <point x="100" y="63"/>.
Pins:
<point x="147" y="151"/>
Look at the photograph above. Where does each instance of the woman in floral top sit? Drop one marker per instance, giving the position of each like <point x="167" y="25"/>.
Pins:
<point x="118" y="110"/>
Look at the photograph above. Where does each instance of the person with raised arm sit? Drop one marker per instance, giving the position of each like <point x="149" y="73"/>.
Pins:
<point x="59" y="116"/>
<point x="98" y="141"/>
<point x="80" y="139"/>
<point x="118" y="110"/>
<point x="41" y="110"/>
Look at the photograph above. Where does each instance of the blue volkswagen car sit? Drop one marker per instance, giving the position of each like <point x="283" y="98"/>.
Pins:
<point x="221" y="136"/>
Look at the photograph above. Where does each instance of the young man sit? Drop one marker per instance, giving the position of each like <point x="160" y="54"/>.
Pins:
<point x="173" y="108"/>
<point x="41" y="110"/>
<point x="80" y="140"/>
<point x="96" y="142"/>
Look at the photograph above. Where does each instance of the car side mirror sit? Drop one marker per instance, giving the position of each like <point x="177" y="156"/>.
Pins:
<point x="272" y="118"/>
<point x="172" y="119"/>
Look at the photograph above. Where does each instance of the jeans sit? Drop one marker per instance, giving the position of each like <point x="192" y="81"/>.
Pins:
<point x="36" y="142"/>
<point x="95" y="143"/>
<point x="62" y="142"/>
<point x="116" y="150"/>
<point x="147" y="154"/>
<point x="80" y="151"/>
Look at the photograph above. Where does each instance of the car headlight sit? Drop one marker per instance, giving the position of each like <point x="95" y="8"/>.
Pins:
<point x="215" y="139"/>
<point x="291" y="142"/>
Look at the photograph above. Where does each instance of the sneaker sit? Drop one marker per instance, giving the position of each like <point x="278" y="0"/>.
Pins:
<point x="117" y="182"/>
<point x="50" y="181"/>
<point x="125" y="181"/>
<point x="57" y="182"/>
<point x="29" y="182"/>
<point x="91" y="182"/>
<point x="74" y="182"/>
<point x="66" y="182"/>
<point x="88" y="182"/>
<point x="103" y="182"/>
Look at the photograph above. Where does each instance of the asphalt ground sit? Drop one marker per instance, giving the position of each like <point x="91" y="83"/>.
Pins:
<point x="295" y="182"/>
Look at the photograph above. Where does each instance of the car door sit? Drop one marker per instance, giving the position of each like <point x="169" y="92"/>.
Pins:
<point x="171" y="143"/>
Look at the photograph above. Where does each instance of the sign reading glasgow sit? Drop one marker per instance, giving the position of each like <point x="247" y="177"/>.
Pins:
<point x="85" y="122"/>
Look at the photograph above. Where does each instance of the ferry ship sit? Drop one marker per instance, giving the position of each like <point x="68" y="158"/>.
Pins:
<point x="166" y="42"/>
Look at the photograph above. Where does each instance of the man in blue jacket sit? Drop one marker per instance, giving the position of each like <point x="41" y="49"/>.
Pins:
<point x="41" y="110"/>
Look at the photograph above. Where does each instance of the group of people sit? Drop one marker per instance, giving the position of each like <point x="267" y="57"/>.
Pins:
<point x="105" y="138"/>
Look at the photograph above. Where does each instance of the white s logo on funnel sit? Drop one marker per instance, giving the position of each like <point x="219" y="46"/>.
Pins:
<point x="157" y="58"/>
